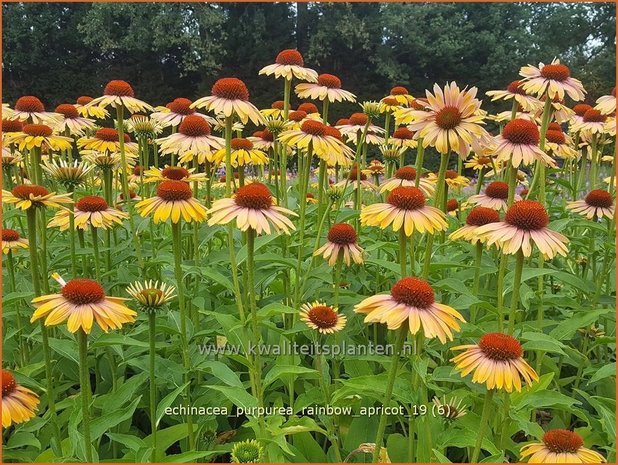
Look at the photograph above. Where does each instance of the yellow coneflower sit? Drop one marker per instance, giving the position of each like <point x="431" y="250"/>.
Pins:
<point x="405" y="208"/>
<point x="38" y="135"/>
<point x="107" y="140"/>
<point x="560" y="446"/>
<point x="263" y="140"/>
<point x="72" y="122"/>
<point x="230" y="96"/>
<point x="354" y="126"/>
<point x="412" y="302"/>
<point x="12" y="241"/>
<point x="322" y="318"/>
<point x="607" y="103"/>
<point x="451" y="178"/>
<point x="19" y="404"/>
<point x="26" y="196"/>
<point x="495" y="196"/>
<point x="151" y="295"/>
<point x="90" y="210"/>
<point x="357" y="181"/>
<point x="554" y="79"/>
<point x="252" y="207"/>
<point x="243" y="153"/>
<point x="275" y="111"/>
<point x="402" y="137"/>
<point x="515" y="91"/>
<point x="597" y="204"/>
<point x="82" y="302"/>
<point x="406" y="177"/>
<point x="89" y="111"/>
<point x="288" y="64"/>
<point x="327" y="87"/>
<point x="341" y="241"/>
<point x="478" y="163"/>
<point x="312" y="133"/>
<point x="560" y="144"/>
<point x="401" y="95"/>
<point x="174" y="173"/>
<point x="193" y="138"/>
<point x="478" y="216"/>
<point x="119" y="93"/>
<point x="176" y="111"/>
<point x="30" y="109"/>
<point x="174" y="200"/>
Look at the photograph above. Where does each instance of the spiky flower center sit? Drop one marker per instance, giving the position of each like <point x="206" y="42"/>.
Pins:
<point x="8" y="383"/>
<point x="107" y="134"/>
<point x="354" y="175"/>
<point x="581" y="108"/>
<point x="399" y="90"/>
<point x="91" y="203"/>
<point x="194" y="126"/>
<point x="24" y="191"/>
<point x="554" y="127"/>
<point x="406" y="198"/>
<point x="119" y="88"/>
<point x="278" y="105"/>
<point x="315" y="128"/>
<point x="297" y="115"/>
<point x="515" y="87"/>
<point x="329" y="80"/>
<point x="599" y="198"/>
<point x="69" y="111"/>
<point x="308" y="108"/>
<point x="414" y="292"/>
<point x="290" y="57"/>
<point x="483" y="160"/>
<point x="342" y="122"/>
<point x="10" y="235"/>
<point x="83" y="291"/>
<point x="241" y="144"/>
<point x="448" y="117"/>
<point x="358" y="119"/>
<point x="172" y="191"/>
<point x="403" y="134"/>
<point x="333" y="132"/>
<point x="556" y="137"/>
<point x="406" y="172"/>
<point x="181" y="106"/>
<point x="497" y="190"/>
<point x="41" y="130"/>
<point x="29" y="104"/>
<point x="451" y="174"/>
<point x="452" y="205"/>
<point x="391" y="101"/>
<point x="561" y="441"/>
<point x="175" y="173"/>
<point x="500" y="347"/>
<point x="557" y="72"/>
<point x="342" y="234"/>
<point x="480" y="216"/>
<point x="528" y="215"/>
<point x="267" y="135"/>
<point x="521" y="132"/>
<point x="230" y="89"/>
<point x="323" y="316"/>
<point x="12" y="125"/>
<point x="255" y="196"/>
<point x="84" y="100"/>
<point x="594" y="116"/>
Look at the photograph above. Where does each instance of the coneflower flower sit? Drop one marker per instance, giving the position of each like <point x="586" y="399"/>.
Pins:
<point x="312" y="133"/>
<point x="607" y="103"/>
<point x="40" y="136"/>
<point x="150" y="295"/>
<point x="174" y="200"/>
<point x="82" y="302"/>
<point x="252" y="207"/>
<point x="193" y="138"/>
<point x="322" y="318"/>
<point x="230" y="96"/>
<point x="249" y="451"/>
<point x="406" y="177"/>
<point x="275" y="111"/>
<point x="403" y="137"/>
<point x="288" y="64"/>
<point x="597" y="204"/>
<point x="12" y="241"/>
<point x="579" y="110"/>
<point x="69" y="175"/>
<point x="263" y="140"/>
<point x="30" y="109"/>
<point x="560" y="446"/>
<point x="451" y="178"/>
<point x="496" y="362"/>
<point x="243" y="153"/>
<point x="89" y="111"/>
<point x="515" y="91"/>
<point x="478" y="216"/>
<point x="593" y="122"/>
<point x="177" y="110"/>
<point x="401" y="95"/>
<point x="552" y="79"/>
<point x="327" y="87"/>
<point x="119" y="93"/>
<point x="341" y="241"/>
<point x="451" y="409"/>
<point x="90" y="210"/>
<point x="412" y="302"/>
<point x="479" y="163"/>
<point x="495" y="196"/>
<point x="173" y="173"/>
<point x="19" y="404"/>
<point x="310" y="109"/>
<point x="519" y="143"/>
<point x="25" y="196"/>
<point x="559" y="144"/>
<point x="107" y="140"/>
<point x="525" y="223"/>
<point x="71" y="120"/>
<point x="405" y="208"/>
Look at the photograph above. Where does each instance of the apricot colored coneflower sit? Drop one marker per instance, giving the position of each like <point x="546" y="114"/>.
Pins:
<point x="252" y="207"/>
<point x="606" y="104"/>
<point x="495" y="196"/>
<point x="70" y="175"/>
<point x="401" y="95"/>
<point x="406" y="177"/>
<point x="341" y="242"/>
<point x="12" y="241"/>
<point x="39" y="136"/>
<point x="412" y="302"/>
<point x="519" y="143"/>
<point x="193" y="138"/>
<point x="176" y="111"/>
<point x="107" y="140"/>
<point x="405" y="208"/>
<point x="30" y="109"/>
<point x="322" y="318"/>
<point x="479" y="163"/>
<point x="403" y="137"/>
<point x="174" y="199"/>
<point x="72" y="121"/>
<point x="327" y="87"/>
<point x="288" y="64"/>
<point x="243" y="153"/>
<point x="525" y="223"/>
<point x="516" y="91"/>
<point x="173" y="173"/>
<point x="230" y="96"/>
<point x="81" y="104"/>
<point x="593" y="122"/>
<point x="497" y="361"/>
<point x="478" y="216"/>
<point x="25" y="196"/>
<point x="81" y="302"/>
<point x="119" y="93"/>
<point x="90" y="210"/>
<point x="560" y="144"/>
<point x="553" y="79"/>
<point x="451" y="178"/>
<point x="597" y="204"/>
<point x="19" y="404"/>
<point x="560" y="446"/>
<point x="312" y="133"/>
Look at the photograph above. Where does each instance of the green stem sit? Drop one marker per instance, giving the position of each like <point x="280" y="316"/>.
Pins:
<point x="84" y="379"/>
<point x="402" y="251"/>
<point x="519" y="266"/>
<point x="482" y="426"/>
<point x="95" y="246"/>
<point x="420" y="154"/>
<point x="479" y="182"/>
<point x="392" y="375"/>
<point x="152" y="322"/>
<point x="478" y="257"/>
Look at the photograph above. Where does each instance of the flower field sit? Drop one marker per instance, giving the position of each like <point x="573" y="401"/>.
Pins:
<point x="203" y="280"/>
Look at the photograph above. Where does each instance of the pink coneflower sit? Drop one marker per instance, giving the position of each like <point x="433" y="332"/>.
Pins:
<point x="478" y="216"/>
<point x="342" y="240"/>
<point x="230" y="96"/>
<point x="554" y="79"/>
<point x="519" y="143"/>
<point x="515" y="91"/>
<point x="288" y="64"/>
<point x="327" y="87"/>
<point x="597" y="204"/>
<point x="494" y="197"/>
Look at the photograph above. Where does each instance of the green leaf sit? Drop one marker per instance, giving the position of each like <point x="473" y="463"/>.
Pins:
<point x="22" y="439"/>
<point x="221" y="371"/>
<point x="103" y="423"/>
<point x="131" y="441"/>
<point x="168" y="400"/>
<point x="238" y="396"/>
<point x="65" y="347"/>
<point x="541" y="341"/>
<point x="566" y="329"/>
<point x="280" y="370"/>
<point x="604" y="372"/>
